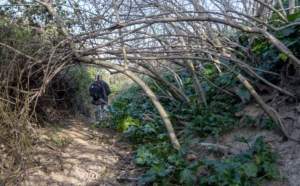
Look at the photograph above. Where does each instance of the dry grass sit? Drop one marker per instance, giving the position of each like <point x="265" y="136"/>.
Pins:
<point x="29" y="62"/>
<point x="16" y="134"/>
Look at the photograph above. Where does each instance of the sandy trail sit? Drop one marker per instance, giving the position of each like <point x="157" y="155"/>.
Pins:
<point x="78" y="155"/>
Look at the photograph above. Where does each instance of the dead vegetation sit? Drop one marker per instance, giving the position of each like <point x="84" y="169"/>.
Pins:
<point x="15" y="141"/>
<point x="28" y="64"/>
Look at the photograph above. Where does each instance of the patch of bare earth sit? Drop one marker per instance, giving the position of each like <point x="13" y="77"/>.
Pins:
<point x="288" y="150"/>
<point x="78" y="155"/>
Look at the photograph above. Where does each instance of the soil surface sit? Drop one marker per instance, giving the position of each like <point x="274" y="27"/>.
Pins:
<point x="77" y="154"/>
<point x="288" y="150"/>
<point x="288" y="153"/>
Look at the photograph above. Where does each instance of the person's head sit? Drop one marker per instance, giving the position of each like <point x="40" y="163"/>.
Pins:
<point x="98" y="77"/>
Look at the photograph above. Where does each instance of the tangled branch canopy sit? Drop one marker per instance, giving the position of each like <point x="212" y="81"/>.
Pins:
<point x="149" y="36"/>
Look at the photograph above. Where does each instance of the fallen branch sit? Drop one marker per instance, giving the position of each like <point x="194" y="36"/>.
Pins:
<point x="271" y="112"/>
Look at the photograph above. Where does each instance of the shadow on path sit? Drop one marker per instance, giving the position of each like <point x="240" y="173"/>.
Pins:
<point x="78" y="155"/>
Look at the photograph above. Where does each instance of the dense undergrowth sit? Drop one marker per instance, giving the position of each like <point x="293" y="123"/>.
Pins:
<point x="133" y="114"/>
<point x="16" y="127"/>
<point x="30" y="83"/>
<point x="81" y="77"/>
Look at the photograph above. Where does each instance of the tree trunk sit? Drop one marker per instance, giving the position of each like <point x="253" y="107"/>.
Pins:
<point x="163" y="114"/>
<point x="292" y="6"/>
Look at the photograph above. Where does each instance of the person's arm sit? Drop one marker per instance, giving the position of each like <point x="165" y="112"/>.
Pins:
<point x="108" y="91"/>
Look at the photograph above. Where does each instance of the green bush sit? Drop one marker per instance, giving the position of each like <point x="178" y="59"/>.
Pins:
<point x="81" y="78"/>
<point x="164" y="165"/>
<point x="248" y="168"/>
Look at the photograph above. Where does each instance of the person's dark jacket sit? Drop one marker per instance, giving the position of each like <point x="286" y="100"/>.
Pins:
<point x="105" y="90"/>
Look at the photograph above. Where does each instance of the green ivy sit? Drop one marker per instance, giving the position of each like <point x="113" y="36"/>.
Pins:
<point x="248" y="168"/>
<point x="163" y="165"/>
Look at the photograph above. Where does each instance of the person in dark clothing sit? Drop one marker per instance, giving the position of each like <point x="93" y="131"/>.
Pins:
<point x="99" y="90"/>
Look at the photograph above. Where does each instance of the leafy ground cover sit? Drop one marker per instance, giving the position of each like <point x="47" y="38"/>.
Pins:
<point x="133" y="114"/>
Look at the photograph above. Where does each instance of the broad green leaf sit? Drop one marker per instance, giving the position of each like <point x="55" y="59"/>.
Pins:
<point x="283" y="57"/>
<point x="187" y="177"/>
<point x="243" y="94"/>
<point x="250" y="169"/>
<point x="126" y="122"/>
<point x="271" y="170"/>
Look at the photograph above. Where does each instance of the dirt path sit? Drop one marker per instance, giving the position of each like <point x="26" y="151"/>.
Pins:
<point x="78" y="155"/>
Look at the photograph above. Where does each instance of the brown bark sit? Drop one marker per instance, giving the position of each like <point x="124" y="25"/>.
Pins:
<point x="269" y="110"/>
